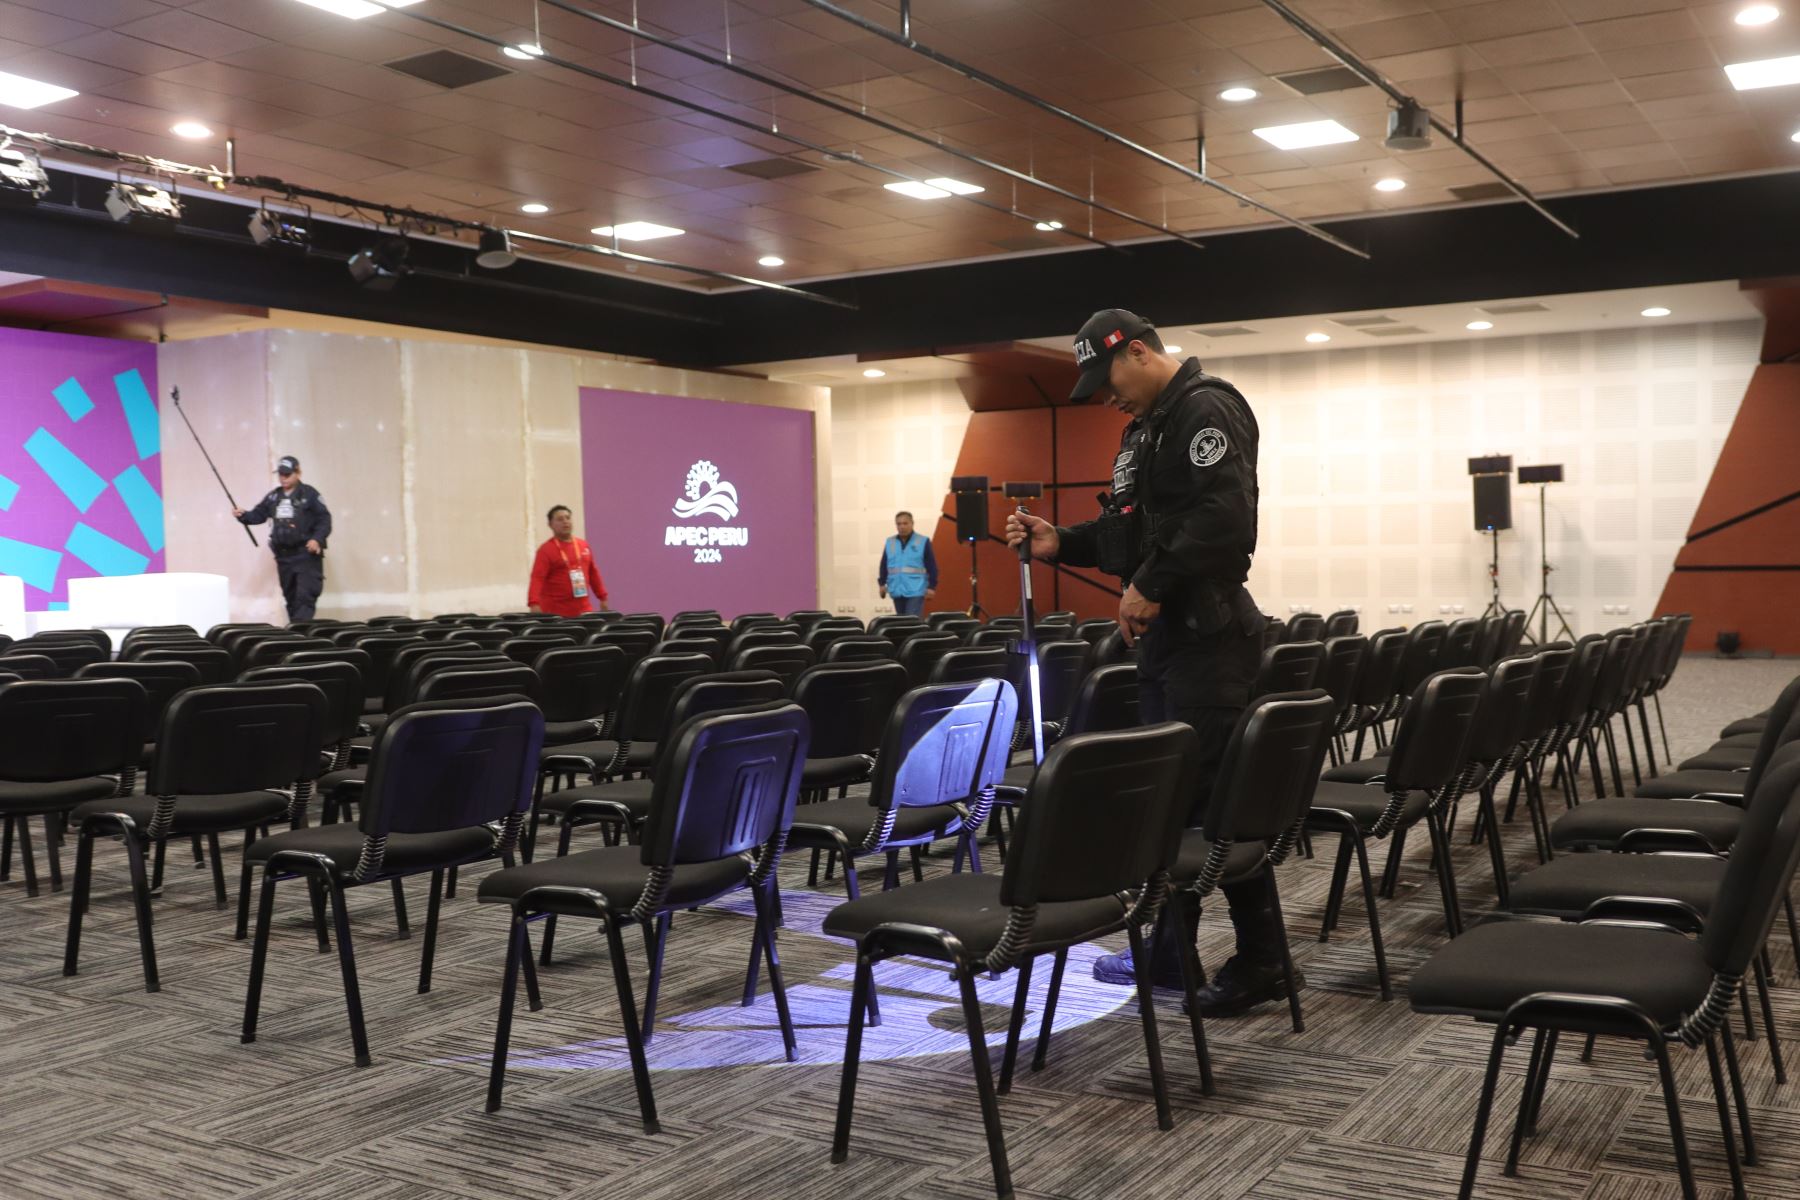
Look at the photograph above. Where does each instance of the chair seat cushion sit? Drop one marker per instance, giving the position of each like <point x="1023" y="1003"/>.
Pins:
<point x="855" y="816"/>
<point x="616" y="872"/>
<point x="406" y="852"/>
<point x="1489" y="968"/>
<point x="1365" y="804"/>
<point x="836" y="770"/>
<point x="194" y="814"/>
<point x="1601" y="823"/>
<point x="1738" y="741"/>
<point x="372" y="705"/>
<point x="968" y="906"/>
<point x="1727" y="759"/>
<point x="54" y="796"/>
<point x="1242" y="861"/>
<point x="349" y="777"/>
<point x="1745" y="725"/>
<point x="1363" y="770"/>
<point x="375" y="721"/>
<point x="1019" y="776"/>
<point x="561" y="733"/>
<point x="1565" y="887"/>
<point x="634" y="794"/>
<point x="1678" y="785"/>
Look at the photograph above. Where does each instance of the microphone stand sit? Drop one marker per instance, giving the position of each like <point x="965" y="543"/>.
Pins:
<point x="175" y="396"/>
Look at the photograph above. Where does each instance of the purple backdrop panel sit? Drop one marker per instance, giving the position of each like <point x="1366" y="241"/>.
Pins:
<point x="80" y="461"/>
<point x="699" y="503"/>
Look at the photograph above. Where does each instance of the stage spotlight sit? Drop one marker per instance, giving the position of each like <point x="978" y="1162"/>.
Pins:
<point x="496" y="252"/>
<point x="143" y="203"/>
<point x="381" y="266"/>
<point x="22" y="175"/>
<point x="281" y="230"/>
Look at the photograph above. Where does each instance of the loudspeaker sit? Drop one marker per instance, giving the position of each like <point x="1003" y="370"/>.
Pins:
<point x="1493" y="502"/>
<point x="971" y="516"/>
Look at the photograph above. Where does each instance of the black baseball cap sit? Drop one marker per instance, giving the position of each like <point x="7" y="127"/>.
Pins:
<point x="287" y="464"/>
<point x="1105" y="334"/>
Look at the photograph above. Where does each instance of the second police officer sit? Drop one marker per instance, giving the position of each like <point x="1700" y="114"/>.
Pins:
<point x="1178" y="530"/>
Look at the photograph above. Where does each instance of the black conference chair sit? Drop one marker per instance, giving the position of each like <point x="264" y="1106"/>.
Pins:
<point x="789" y="661"/>
<point x="847" y="706"/>
<point x="1342" y="623"/>
<point x="920" y="651"/>
<point x="1460" y="648"/>
<point x="525" y="650"/>
<point x="969" y="664"/>
<point x="580" y="690"/>
<point x="748" y="620"/>
<point x="806" y="618"/>
<point x="862" y="648"/>
<point x="31" y="666"/>
<point x="725" y="790"/>
<point x="448" y="785"/>
<point x="761" y="635"/>
<point x="1095" y="843"/>
<point x="70" y="654"/>
<point x="487" y="639"/>
<point x="226" y="759"/>
<point x="1304" y="627"/>
<point x="162" y="682"/>
<point x="1290" y="666"/>
<point x="711" y="650"/>
<point x="1639" y="979"/>
<point x="1339" y="675"/>
<point x="214" y="664"/>
<point x="274" y="650"/>
<point x="1096" y="630"/>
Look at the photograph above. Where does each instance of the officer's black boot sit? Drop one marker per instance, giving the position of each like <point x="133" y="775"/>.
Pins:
<point x="1165" y="954"/>
<point x="1253" y="975"/>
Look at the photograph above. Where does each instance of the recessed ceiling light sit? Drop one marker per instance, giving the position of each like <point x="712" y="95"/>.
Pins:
<point x="523" y="50"/>
<point x="534" y="208"/>
<point x="1390" y="185"/>
<point x="1304" y="135"/>
<point x="1318" y="338"/>
<point x="1237" y="95"/>
<point x="1796" y="137"/>
<point x="1655" y="311"/>
<point x="933" y="189"/>
<point x="771" y="260"/>
<point x="356" y="10"/>
<point x="190" y="129"/>
<point x="1048" y="226"/>
<point x="1764" y="73"/>
<point x="1757" y="14"/>
<point x="1478" y="326"/>
<point x="16" y="91"/>
<point x="873" y="373"/>
<point x="1167" y="348"/>
<point x="636" y="231"/>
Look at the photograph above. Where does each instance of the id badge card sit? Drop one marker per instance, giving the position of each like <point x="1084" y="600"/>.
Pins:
<point x="578" y="584"/>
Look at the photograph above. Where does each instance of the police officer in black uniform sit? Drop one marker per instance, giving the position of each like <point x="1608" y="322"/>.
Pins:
<point x="1178" y="528"/>
<point x="302" y="526"/>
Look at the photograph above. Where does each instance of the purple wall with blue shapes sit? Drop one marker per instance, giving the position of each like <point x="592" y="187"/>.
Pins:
<point x="80" y="461"/>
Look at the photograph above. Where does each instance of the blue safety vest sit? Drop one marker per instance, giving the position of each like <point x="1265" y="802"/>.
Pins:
<point x="906" y="566"/>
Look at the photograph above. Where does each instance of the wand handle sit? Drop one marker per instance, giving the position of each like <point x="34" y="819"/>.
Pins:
<point x="175" y="397"/>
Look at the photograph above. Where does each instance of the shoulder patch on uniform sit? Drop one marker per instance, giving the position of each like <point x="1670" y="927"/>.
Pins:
<point x="1208" y="447"/>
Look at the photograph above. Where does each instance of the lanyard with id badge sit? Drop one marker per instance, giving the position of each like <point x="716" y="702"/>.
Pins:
<point x="577" y="577"/>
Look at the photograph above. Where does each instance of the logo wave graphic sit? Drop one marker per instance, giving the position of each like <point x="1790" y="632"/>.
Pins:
<point x="720" y="500"/>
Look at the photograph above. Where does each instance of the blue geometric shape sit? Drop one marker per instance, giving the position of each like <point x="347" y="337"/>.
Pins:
<point x="140" y="412"/>
<point x="145" y="506"/>
<point x="8" y="491"/>
<point x="102" y="553"/>
<point x="34" y="564"/>
<point x="76" y="479"/>
<point x="57" y="606"/>
<point x="74" y="398"/>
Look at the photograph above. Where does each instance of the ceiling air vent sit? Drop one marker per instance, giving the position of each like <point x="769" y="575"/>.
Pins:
<point x="1219" y="331"/>
<point x="1481" y="191"/>
<point x="448" y="69"/>
<point x="1513" y="309"/>
<point x="773" y="168"/>
<point x="1394" y="331"/>
<point x="1325" y="79"/>
<point x="1363" y="322"/>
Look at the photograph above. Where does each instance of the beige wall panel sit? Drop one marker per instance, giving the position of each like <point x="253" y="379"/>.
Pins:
<point x="335" y="403"/>
<point x="466" y="474"/>
<point x="553" y="448"/>
<point x="224" y="392"/>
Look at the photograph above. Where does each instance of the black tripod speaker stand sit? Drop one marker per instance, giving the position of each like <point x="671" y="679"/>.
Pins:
<point x="1545" y="604"/>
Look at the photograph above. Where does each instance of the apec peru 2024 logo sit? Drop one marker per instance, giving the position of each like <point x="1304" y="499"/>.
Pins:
<point x="707" y="495"/>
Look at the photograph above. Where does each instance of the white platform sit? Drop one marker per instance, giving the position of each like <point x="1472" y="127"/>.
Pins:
<point x="120" y="603"/>
<point x="12" y="607"/>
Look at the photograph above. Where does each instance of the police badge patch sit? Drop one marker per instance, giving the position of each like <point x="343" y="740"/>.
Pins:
<point x="1207" y="448"/>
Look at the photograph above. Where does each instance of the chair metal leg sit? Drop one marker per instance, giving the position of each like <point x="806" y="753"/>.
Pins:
<point x="1644" y="723"/>
<point x="432" y="904"/>
<point x="244" y="878"/>
<point x="27" y="860"/>
<point x="1744" y="1007"/>
<point x="140" y="894"/>
<point x="1496" y="854"/>
<point x="860" y="992"/>
<point x="812" y="873"/>
<point x="918" y="861"/>
<point x="1483" y="1109"/>
<point x="1793" y="928"/>
<point x="340" y="919"/>
<point x="851" y="887"/>
<point x="220" y="897"/>
<point x="891" y="878"/>
<point x="6" y="844"/>
<point x="1593" y="750"/>
<point x="199" y="852"/>
<point x="765" y="932"/>
<point x="1612" y="756"/>
<point x="1768" y="1015"/>
<point x="653" y="947"/>
<point x="316" y="892"/>
<point x="1334" y="900"/>
<point x="516" y="948"/>
<point x="1737" y="1092"/>
<point x="259" y="956"/>
<point x="1543" y="1084"/>
<point x="1668" y="755"/>
<point x="1390" y="874"/>
<point x="53" y="848"/>
<point x="450" y="884"/>
<point x="1637" y="780"/>
<point x="1676" y="1133"/>
<point x="984" y="1081"/>
<point x="1021" y="992"/>
<point x="1191" y="976"/>
<point x="1446" y="873"/>
<point x="634" y="1040"/>
<point x="402" y="928"/>
<point x="1042" y="1051"/>
<point x="1140" y="959"/>
<point x="1368" y="887"/>
<point x="1718" y="1083"/>
<point x="1287" y="955"/>
<point x="78" y="897"/>
<point x="534" y="999"/>
<point x="1526" y="1092"/>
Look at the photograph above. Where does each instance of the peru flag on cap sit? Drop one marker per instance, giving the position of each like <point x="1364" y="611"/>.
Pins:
<point x="1114" y="338"/>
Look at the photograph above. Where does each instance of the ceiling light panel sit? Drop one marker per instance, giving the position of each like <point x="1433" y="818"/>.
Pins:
<point x="638" y="231"/>
<point x="1305" y="135"/>
<point x="356" y="10"/>
<point x="17" y="91"/>
<point x="1764" y="73"/>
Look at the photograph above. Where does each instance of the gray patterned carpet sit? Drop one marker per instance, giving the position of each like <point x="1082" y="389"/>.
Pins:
<point x="112" y="1092"/>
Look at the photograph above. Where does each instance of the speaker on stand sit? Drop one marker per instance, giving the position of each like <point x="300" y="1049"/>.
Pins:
<point x="1492" y="480"/>
<point x="1542" y="475"/>
<point x="971" y="493"/>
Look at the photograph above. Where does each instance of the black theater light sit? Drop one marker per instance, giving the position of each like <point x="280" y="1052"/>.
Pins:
<point x="286" y="231"/>
<point x="495" y="252"/>
<point x="381" y="266"/>
<point x="143" y="204"/>
<point x="22" y="175"/>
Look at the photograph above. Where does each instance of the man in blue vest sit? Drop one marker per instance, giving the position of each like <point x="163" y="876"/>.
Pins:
<point x="908" y="569"/>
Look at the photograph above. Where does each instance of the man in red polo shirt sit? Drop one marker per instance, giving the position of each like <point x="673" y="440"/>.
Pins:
<point x="563" y="578"/>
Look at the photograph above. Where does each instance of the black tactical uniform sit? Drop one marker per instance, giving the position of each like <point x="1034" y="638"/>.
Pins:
<point x="299" y="516"/>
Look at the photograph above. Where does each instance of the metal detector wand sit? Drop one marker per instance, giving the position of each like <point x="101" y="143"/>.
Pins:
<point x="175" y="398"/>
<point x="1028" y="645"/>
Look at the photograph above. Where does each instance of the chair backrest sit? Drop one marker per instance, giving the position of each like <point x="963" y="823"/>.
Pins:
<point x="240" y="737"/>
<point x="1096" y="630"/>
<point x="860" y="648"/>
<point x="274" y="650"/>
<point x="650" y="689"/>
<point x="1112" y="649"/>
<point x="724" y="692"/>
<point x="490" y="639"/>
<point x="701" y="614"/>
<point x="897" y="627"/>
<point x="1271" y="767"/>
<point x="969" y="663"/>
<point x="580" y="683"/>
<point x="823" y="633"/>
<point x="54" y="729"/>
<point x="154" y="631"/>
<point x="1062" y="665"/>
<point x="921" y="651"/>
<point x="1289" y="667"/>
<point x="525" y="650"/>
<point x="846" y="622"/>
<point x="1782" y="727"/>
<point x="1424" y="642"/>
<point x="1553" y="665"/>
<point x="635" y="640"/>
<point x="1304" y="627"/>
<point x="433" y="769"/>
<point x="955" y="623"/>
<point x="1584" y="674"/>
<point x="341" y="683"/>
<point x="848" y="704"/>
<point x="762" y="635"/>
<point x="711" y="650"/>
<point x="806" y="618"/>
<point x="214" y="664"/>
<point x="787" y="660"/>
<point x="1512" y="632"/>
<point x="409" y="669"/>
<point x="748" y="620"/>
<point x="944" y="743"/>
<point x="1489" y="634"/>
<point x="461" y="681"/>
<point x="1460" y="649"/>
<point x="1343" y="667"/>
<point x="1107" y="700"/>
<point x="358" y="659"/>
<point x="1615" y="669"/>
<point x="727" y="785"/>
<point x="1428" y="747"/>
<point x="382" y="649"/>
<point x="1758" y="874"/>
<point x="160" y="681"/>
<point x="241" y="641"/>
<point x="1342" y="623"/>
<point x="1380" y="677"/>
<point x="1103" y="815"/>
<point x="30" y="666"/>
<point x="988" y="635"/>
<point x="387" y="619"/>
<point x="69" y="654"/>
<point x="98" y="637"/>
<point x="711" y="631"/>
<point x="216" y="633"/>
<point x="137" y="647"/>
<point x="1504" y="709"/>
